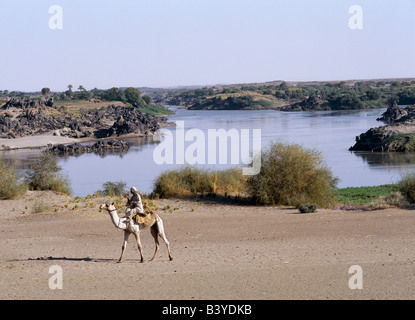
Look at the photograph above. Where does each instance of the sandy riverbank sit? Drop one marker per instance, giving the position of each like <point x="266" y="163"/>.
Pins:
<point x="38" y="141"/>
<point x="221" y="251"/>
<point x="41" y="141"/>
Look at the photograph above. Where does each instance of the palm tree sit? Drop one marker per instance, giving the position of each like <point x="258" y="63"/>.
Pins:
<point x="69" y="92"/>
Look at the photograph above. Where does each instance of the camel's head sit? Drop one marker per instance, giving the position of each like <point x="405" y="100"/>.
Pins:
<point x="107" y="206"/>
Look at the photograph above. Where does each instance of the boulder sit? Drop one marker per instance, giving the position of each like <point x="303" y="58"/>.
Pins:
<point x="97" y="147"/>
<point x="105" y="122"/>
<point x="397" y="136"/>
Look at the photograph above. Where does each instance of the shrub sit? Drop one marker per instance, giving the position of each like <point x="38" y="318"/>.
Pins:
<point x="406" y="187"/>
<point x="113" y="189"/>
<point x="307" y="208"/>
<point x="45" y="174"/>
<point x="291" y="175"/>
<point x="393" y="199"/>
<point x="230" y="181"/>
<point x="39" y="207"/>
<point x="11" y="186"/>
<point x="189" y="180"/>
<point x="169" y="184"/>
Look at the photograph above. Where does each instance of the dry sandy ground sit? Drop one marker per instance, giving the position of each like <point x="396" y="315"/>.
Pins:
<point x="221" y="251"/>
<point x="36" y="141"/>
<point x="40" y="141"/>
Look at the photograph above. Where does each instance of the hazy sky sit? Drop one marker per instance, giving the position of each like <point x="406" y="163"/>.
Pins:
<point x="200" y="42"/>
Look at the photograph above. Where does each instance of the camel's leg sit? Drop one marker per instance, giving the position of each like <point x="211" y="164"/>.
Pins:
<point x="155" y="234"/>
<point x="162" y="235"/>
<point x="137" y="237"/>
<point x="124" y="246"/>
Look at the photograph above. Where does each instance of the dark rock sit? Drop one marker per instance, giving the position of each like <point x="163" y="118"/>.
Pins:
<point x="373" y="139"/>
<point x="395" y="114"/>
<point x="312" y="103"/>
<point x="110" y="121"/>
<point x="397" y="136"/>
<point x="97" y="147"/>
<point x="26" y="103"/>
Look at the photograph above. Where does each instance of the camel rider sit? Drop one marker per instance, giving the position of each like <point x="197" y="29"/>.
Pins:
<point x="134" y="204"/>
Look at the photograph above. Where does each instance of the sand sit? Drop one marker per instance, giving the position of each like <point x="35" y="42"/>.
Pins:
<point x="44" y="140"/>
<point x="37" y="141"/>
<point x="221" y="251"/>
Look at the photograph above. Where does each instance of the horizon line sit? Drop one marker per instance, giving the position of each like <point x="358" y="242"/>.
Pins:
<point x="178" y="87"/>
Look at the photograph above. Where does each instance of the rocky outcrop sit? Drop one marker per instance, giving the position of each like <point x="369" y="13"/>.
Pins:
<point x="100" y="146"/>
<point x="26" y="103"/>
<point x="397" y="136"/>
<point x="312" y="103"/>
<point x="131" y="120"/>
<point x="373" y="140"/>
<point x="22" y="117"/>
<point x="395" y="114"/>
<point x="386" y="139"/>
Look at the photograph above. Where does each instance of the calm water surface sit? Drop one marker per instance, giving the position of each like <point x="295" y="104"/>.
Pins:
<point x="330" y="132"/>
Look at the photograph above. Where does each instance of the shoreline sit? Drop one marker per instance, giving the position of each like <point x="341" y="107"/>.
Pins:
<point x="42" y="141"/>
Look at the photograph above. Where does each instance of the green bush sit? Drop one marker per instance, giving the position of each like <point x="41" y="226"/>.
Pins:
<point x="307" y="208"/>
<point x="11" y="186"/>
<point x="406" y="187"/>
<point x="291" y="175"/>
<point x="188" y="181"/>
<point x="113" y="189"/>
<point x="45" y="174"/>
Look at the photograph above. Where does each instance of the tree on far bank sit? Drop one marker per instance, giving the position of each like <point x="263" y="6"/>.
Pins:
<point x="69" y="92"/>
<point x="45" y="91"/>
<point x="147" y="99"/>
<point x="133" y="96"/>
<point x="283" y="86"/>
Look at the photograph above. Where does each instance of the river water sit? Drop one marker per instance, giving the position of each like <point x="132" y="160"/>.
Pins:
<point x="330" y="132"/>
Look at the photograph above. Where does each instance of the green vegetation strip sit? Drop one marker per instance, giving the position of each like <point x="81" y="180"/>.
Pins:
<point x="362" y="195"/>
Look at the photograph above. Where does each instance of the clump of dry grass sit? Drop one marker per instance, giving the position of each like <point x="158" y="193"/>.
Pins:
<point x="392" y="200"/>
<point x="407" y="187"/>
<point x="11" y="186"/>
<point x="39" y="207"/>
<point x="189" y="181"/>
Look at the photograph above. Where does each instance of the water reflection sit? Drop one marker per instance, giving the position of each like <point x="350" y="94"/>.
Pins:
<point x="136" y="144"/>
<point x="387" y="159"/>
<point x="21" y="159"/>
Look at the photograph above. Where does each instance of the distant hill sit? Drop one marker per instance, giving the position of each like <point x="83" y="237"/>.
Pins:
<point x="292" y="95"/>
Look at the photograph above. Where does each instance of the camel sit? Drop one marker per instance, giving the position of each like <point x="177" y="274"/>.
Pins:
<point x="132" y="227"/>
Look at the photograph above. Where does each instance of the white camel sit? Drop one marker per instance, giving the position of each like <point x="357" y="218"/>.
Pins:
<point x="132" y="227"/>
